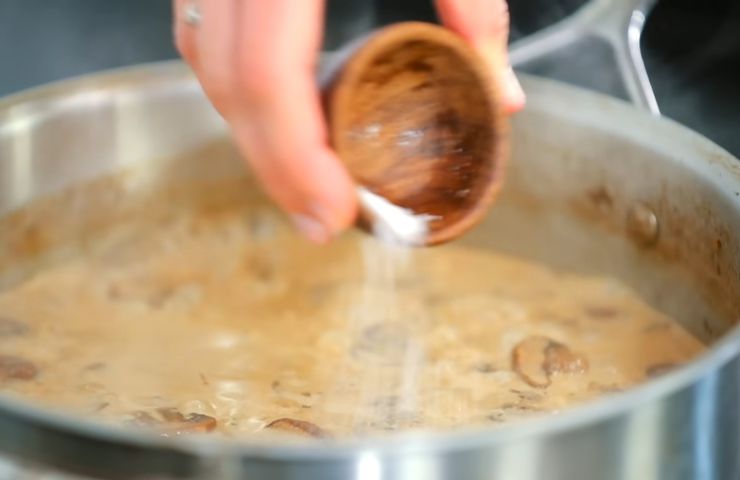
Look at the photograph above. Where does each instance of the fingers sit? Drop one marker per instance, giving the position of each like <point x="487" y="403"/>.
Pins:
<point x="215" y="44"/>
<point x="285" y="131"/>
<point x="184" y="33"/>
<point x="485" y="24"/>
<point x="256" y="62"/>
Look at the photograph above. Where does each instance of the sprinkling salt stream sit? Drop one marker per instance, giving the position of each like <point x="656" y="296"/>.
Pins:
<point x="396" y="231"/>
<point x="386" y="258"/>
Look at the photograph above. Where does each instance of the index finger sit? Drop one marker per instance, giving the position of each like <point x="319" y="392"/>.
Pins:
<point x="485" y="25"/>
<point x="281" y="126"/>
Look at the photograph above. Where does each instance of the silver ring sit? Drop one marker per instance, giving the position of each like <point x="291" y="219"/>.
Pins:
<point x="191" y="14"/>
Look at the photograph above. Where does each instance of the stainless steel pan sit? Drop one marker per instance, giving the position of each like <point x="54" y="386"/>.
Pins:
<point x="594" y="186"/>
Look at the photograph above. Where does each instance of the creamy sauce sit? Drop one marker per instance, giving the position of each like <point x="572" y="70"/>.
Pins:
<point x="226" y="321"/>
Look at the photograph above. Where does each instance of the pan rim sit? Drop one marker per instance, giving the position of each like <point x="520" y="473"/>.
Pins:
<point x="722" y="172"/>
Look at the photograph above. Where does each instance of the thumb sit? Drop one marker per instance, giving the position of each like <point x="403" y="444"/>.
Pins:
<point x="485" y="25"/>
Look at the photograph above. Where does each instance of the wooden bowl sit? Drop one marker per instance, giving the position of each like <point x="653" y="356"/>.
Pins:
<point x="415" y="115"/>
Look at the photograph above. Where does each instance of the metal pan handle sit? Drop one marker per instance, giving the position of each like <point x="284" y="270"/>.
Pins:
<point x="618" y="22"/>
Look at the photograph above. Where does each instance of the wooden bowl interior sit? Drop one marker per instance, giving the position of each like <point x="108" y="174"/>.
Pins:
<point x="417" y="126"/>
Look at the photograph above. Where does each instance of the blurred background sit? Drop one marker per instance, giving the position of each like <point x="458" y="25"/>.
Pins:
<point x="691" y="47"/>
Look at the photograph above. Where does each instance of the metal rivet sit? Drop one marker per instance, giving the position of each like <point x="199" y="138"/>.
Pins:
<point x="642" y="224"/>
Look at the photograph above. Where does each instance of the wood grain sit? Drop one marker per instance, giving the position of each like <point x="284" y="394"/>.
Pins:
<point x="414" y="114"/>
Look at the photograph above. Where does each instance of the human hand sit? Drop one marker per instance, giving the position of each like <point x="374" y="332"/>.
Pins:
<point x="484" y="24"/>
<point x="256" y="61"/>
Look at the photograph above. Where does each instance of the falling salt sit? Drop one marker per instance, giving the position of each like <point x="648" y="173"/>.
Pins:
<point x="391" y="223"/>
<point x="386" y="257"/>
<point x="381" y="391"/>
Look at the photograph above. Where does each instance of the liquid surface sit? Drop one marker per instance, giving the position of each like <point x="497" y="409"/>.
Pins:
<point x="225" y="322"/>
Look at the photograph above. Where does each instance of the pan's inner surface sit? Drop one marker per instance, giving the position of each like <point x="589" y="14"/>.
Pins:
<point x="200" y="311"/>
<point x="172" y="296"/>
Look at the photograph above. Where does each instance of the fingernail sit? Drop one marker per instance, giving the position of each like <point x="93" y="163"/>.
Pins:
<point x="327" y="218"/>
<point x="515" y="97"/>
<point x="311" y="228"/>
<point x="495" y="56"/>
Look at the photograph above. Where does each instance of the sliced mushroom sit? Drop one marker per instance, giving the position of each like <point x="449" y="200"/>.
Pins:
<point x="659" y="326"/>
<point x="155" y="294"/>
<point x="604" y="388"/>
<point x="383" y="342"/>
<point x="518" y="407"/>
<point x="16" y="368"/>
<point x="536" y="359"/>
<point x="10" y="327"/>
<point x="601" y="312"/>
<point x="387" y="403"/>
<point x="659" y="369"/>
<point x="497" y="417"/>
<point x="299" y="427"/>
<point x="144" y="292"/>
<point x="173" y="423"/>
<point x="389" y="413"/>
<point x="484" y="367"/>
<point x="527" y="396"/>
<point x="142" y="419"/>
<point x="511" y="410"/>
<point x="261" y="267"/>
<point x="528" y="358"/>
<point x="193" y="423"/>
<point x="94" y="367"/>
<point x="560" y="359"/>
